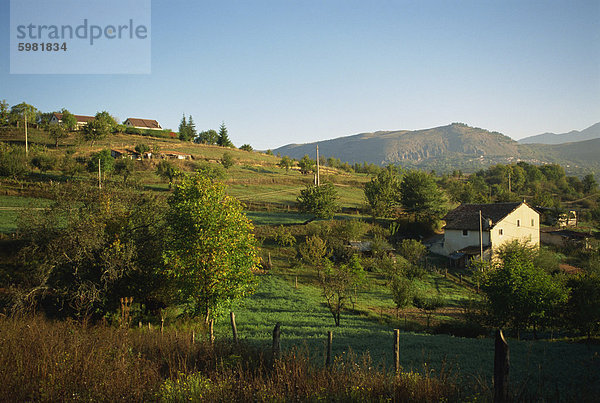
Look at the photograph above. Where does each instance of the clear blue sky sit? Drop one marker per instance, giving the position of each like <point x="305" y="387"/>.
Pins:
<point x="279" y="72"/>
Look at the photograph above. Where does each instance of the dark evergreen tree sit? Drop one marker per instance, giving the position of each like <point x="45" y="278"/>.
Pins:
<point x="223" y="139"/>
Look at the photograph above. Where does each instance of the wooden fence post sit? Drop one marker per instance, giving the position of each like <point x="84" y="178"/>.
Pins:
<point x="296" y="284"/>
<point x="276" y="345"/>
<point x="396" y="350"/>
<point x="329" y="343"/>
<point x="211" y="330"/>
<point x="233" y="327"/>
<point x="501" y="368"/>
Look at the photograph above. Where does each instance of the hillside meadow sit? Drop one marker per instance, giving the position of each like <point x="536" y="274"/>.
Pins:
<point x="142" y="364"/>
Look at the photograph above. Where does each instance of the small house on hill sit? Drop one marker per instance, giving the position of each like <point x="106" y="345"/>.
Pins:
<point x="565" y="238"/>
<point x="124" y="153"/>
<point x="176" y="155"/>
<point x="472" y="227"/>
<point x="81" y="119"/>
<point x="143" y="124"/>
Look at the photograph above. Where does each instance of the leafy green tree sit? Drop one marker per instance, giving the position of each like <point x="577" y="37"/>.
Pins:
<point x="589" y="184"/>
<point x="428" y="305"/>
<point x="421" y="196"/>
<point x="402" y="290"/>
<point x="227" y="160"/>
<point x="125" y="167"/>
<point x="4" y="113"/>
<point x="44" y="161"/>
<point x="211" y="171"/>
<point x="17" y="114"/>
<point x="517" y="292"/>
<point x="338" y="282"/>
<point x="313" y="251"/>
<point x="306" y="165"/>
<point x="285" y="162"/>
<point x="57" y="132"/>
<point x="90" y="248"/>
<point x="97" y="129"/>
<point x="207" y="137"/>
<point x="69" y="121"/>
<point x="583" y="307"/>
<point x="13" y="161"/>
<point x="412" y="250"/>
<point x="322" y="201"/>
<point x="283" y="236"/>
<point x="223" y="139"/>
<point x="211" y="251"/>
<point x="106" y="120"/>
<point x="69" y="166"/>
<point x="246" y="147"/>
<point x="142" y="148"/>
<point x="383" y="191"/>
<point x="107" y="162"/>
<point x="167" y="171"/>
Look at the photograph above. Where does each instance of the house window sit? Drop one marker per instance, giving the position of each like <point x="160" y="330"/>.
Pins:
<point x="518" y="223"/>
<point x="500" y="231"/>
<point x="465" y="232"/>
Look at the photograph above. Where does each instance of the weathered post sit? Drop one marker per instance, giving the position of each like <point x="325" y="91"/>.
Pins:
<point x="501" y="368"/>
<point x="296" y="285"/>
<point x="233" y="327"/>
<point x="276" y="344"/>
<point x="193" y="337"/>
<point x="269" y="264"/>
<point x="396" y="350"/>
<point x="329" y="343"/>
<point x="211" y="330"/>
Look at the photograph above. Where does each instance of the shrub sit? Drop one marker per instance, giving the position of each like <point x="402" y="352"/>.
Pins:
<point x="13" y="161"/>
<point x="44" y="162"/>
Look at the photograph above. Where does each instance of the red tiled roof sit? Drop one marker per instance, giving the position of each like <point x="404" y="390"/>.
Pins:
<point x="146" y="123"/>
<point x="79" y="118"/>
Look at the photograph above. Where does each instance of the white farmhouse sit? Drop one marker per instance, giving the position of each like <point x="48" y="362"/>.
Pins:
<point x="82" y="120"/>
<point x="500" y="223"/>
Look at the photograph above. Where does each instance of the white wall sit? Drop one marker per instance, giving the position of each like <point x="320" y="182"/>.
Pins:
<point x="524" y="231"/>
<point x="455" y="240"/>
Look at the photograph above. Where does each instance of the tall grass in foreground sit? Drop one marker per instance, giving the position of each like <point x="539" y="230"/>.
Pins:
<point x="57" y="361"/>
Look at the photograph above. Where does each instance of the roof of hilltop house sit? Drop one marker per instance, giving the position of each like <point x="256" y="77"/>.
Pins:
<point x="147" y="123"/>
<point x="466" y="216"/>
<point x="79" y="118"/>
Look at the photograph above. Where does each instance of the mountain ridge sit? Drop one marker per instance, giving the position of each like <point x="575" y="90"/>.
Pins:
<point x="589" y="133"/>
<point x="445" y="148"/>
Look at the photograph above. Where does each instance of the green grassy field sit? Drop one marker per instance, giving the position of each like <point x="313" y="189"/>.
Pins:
<point x="11" y="206"/>
<point x="542" y="368"/>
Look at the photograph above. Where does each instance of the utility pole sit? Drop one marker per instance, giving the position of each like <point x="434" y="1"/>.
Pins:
<point x="318" y="177"/>
<point x="26" y="146"/>
<point x="480" y="237"/>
